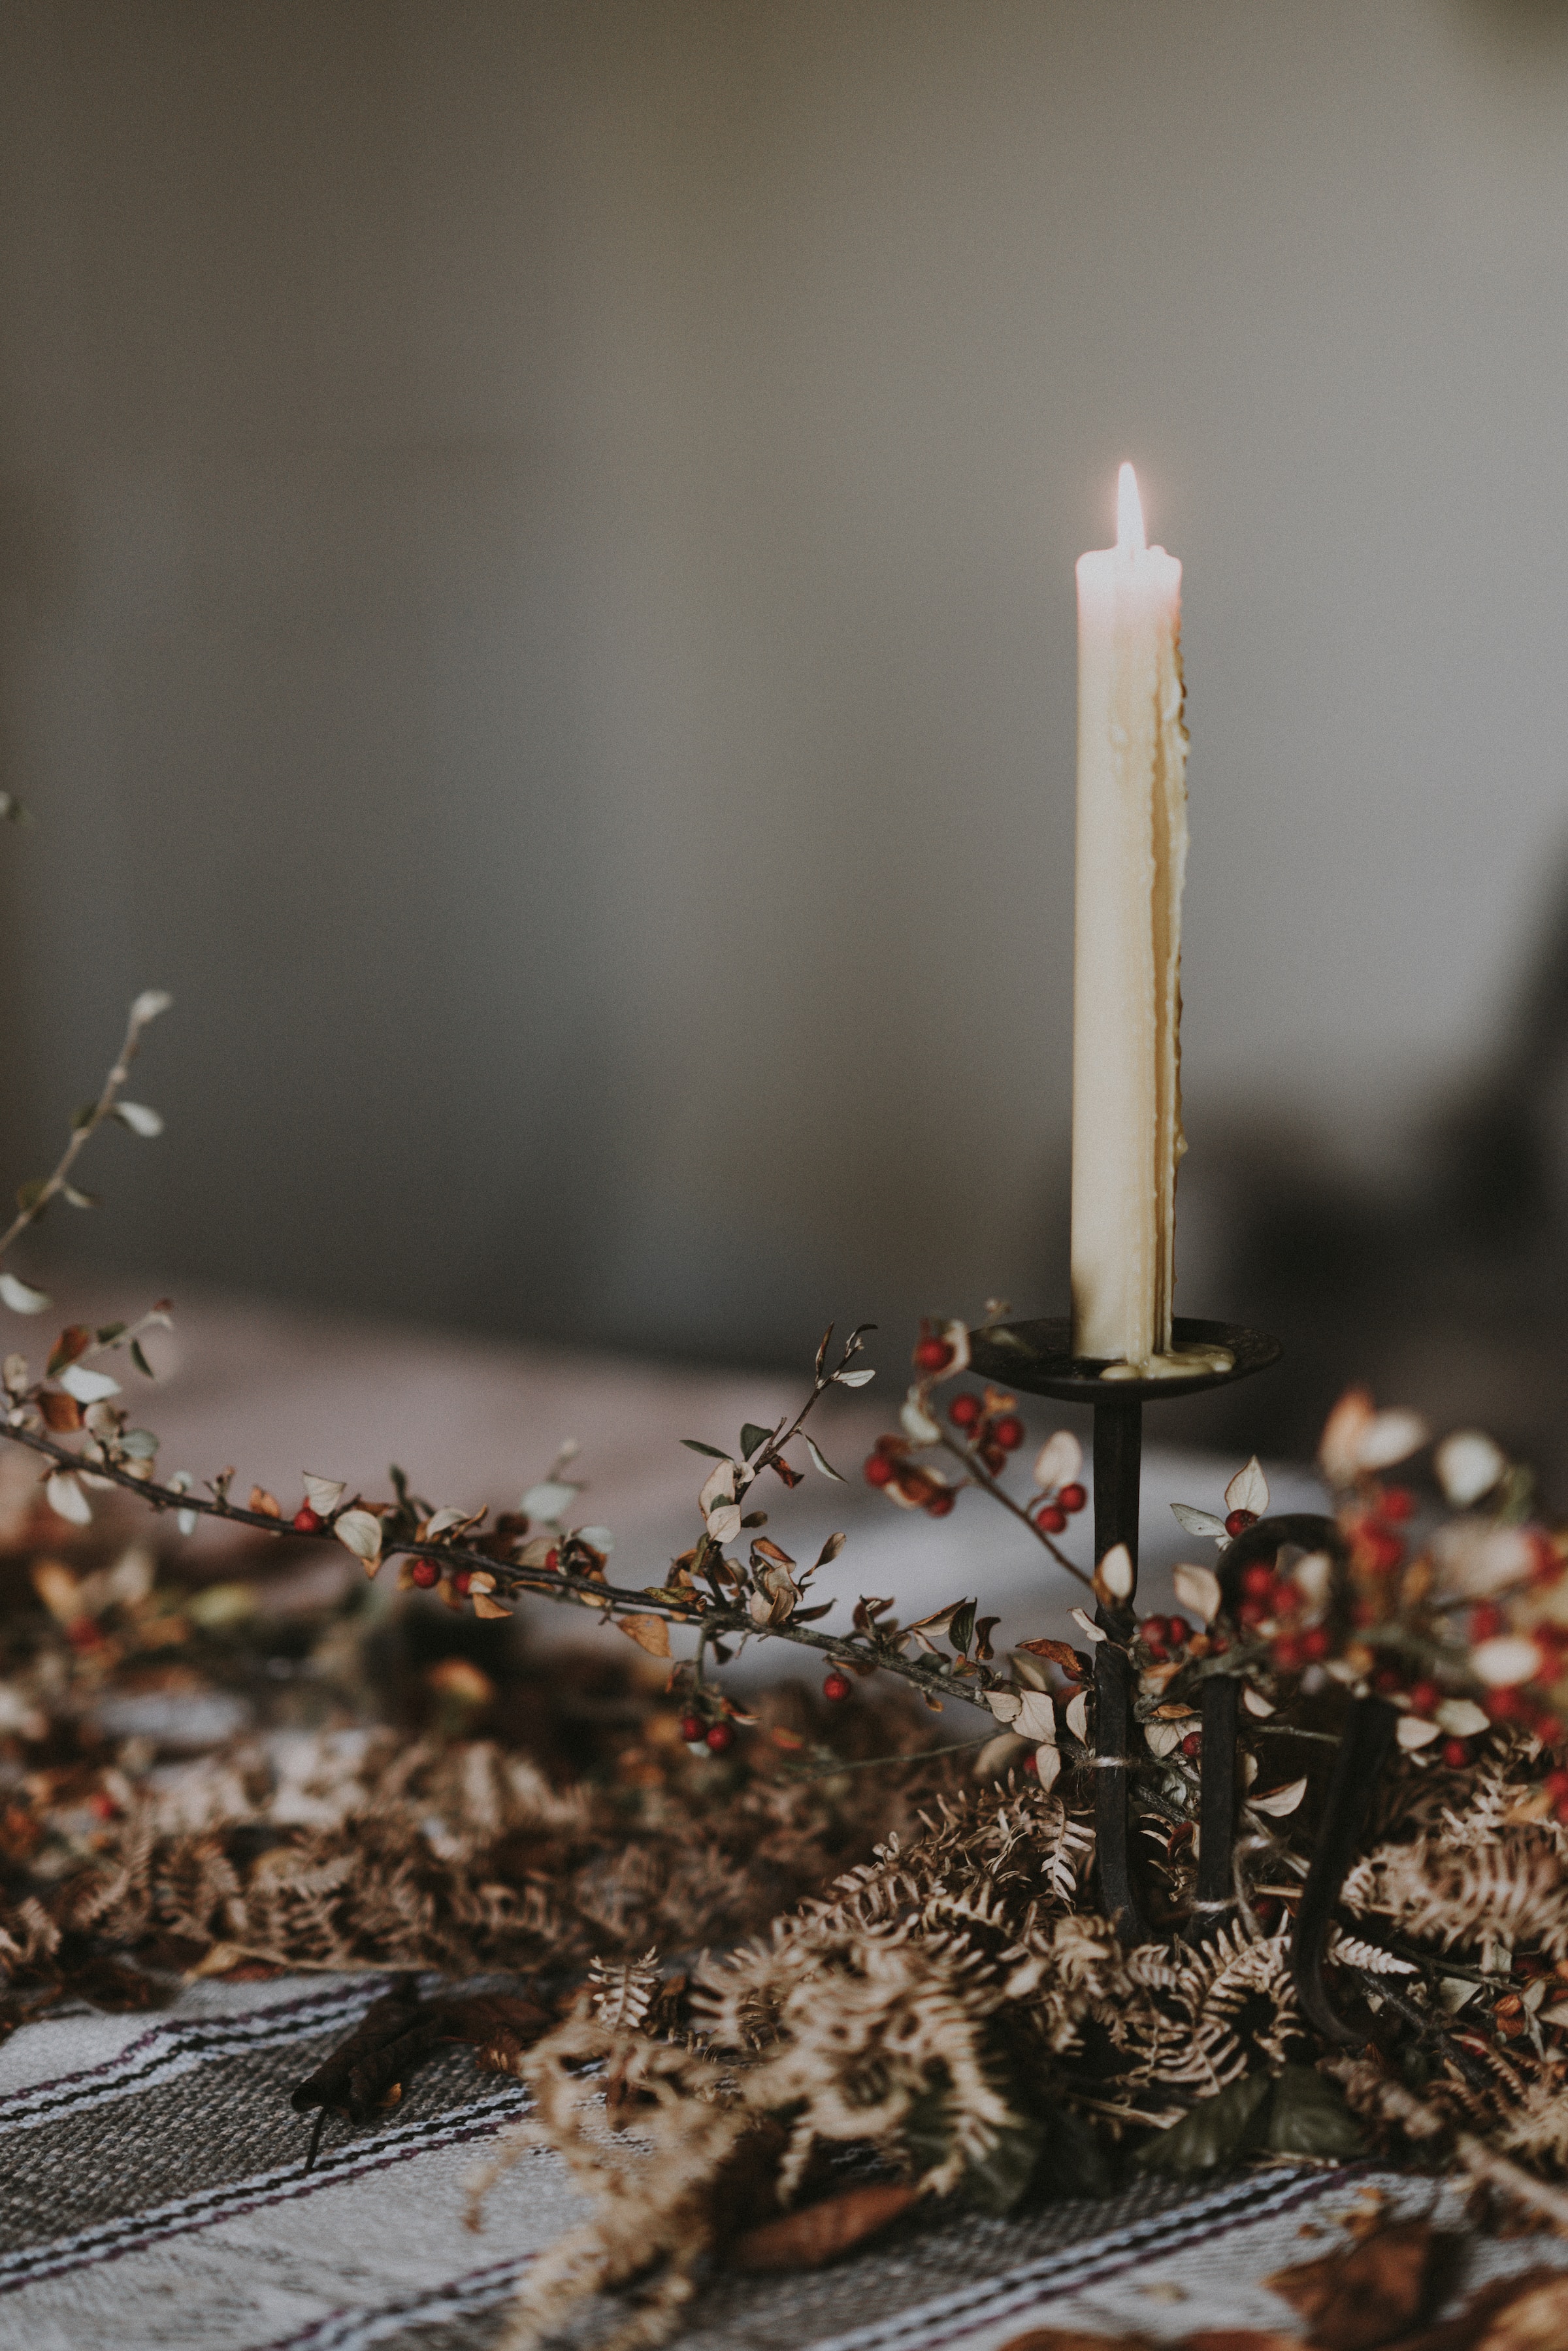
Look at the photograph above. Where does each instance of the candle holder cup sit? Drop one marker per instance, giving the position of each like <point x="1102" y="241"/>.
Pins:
<point x="1037" y="1357"/>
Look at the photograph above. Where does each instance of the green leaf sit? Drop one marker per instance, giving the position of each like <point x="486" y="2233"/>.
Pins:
<point x="108" y="1332"/>
<point x="1220" y="2130"/>
<point x="961" y="1629"/>
<point x="140" y="1362"/>
<point x="695" y="1444"/>
<point x="751" y="1437"/>
<point x="1307" y="2115"/>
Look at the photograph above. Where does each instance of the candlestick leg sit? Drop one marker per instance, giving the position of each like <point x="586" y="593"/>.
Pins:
<point x="1118" y="1452"/>
<point x="1365" y="1745"/>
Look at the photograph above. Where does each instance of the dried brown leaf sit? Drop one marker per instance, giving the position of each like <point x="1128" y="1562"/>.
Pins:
<point x="267" y="1504"/>
<point x="1360" y="2300"/>
<point x="1059" y="1652"/>
<point x="497" y="2026"/>
<point x="62" y="1413"/>
<point x="805" y="2240"/>
<point x="650" y="1633"/>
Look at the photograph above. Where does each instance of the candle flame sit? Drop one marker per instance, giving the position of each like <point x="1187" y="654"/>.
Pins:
<point x="1130" y="539"/>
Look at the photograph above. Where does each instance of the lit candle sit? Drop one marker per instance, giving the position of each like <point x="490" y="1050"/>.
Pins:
<point x="1132" y="858"/>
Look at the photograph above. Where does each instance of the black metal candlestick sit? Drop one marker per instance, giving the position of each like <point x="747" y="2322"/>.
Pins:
<point x="1038" y="1358"/>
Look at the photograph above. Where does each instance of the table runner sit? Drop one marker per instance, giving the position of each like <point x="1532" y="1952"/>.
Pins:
<point x="155" y="2199"/>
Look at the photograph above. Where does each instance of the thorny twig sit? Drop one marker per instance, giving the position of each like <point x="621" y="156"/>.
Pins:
<point x="36" y="1198"/>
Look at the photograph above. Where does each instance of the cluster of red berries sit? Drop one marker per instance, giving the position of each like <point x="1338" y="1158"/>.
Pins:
<point x="716" y="1737"/>
<point x="1053" y="1513"/>
<point x="890" y="1465"/>
<point x="933" y="1354"/>
<point x="1164" y="1634"/>
<point x="1267" y="1598"/>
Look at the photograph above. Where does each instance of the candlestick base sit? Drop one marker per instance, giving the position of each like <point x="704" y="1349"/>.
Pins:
<point x="1038" y="1358"/>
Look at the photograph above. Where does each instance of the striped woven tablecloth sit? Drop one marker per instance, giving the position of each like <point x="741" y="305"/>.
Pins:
<point x="153" y="2195"/>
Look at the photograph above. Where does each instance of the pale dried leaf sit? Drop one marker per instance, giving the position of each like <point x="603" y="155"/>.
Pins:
<point x="650" y="1633"/>
<point x="1058" y="1461"/>
<point x="1278" y="1801"/>
<point x="1198" y="1588"/>
<point x="1469" y="1464"/>
<point x="64" y="1498"/>
<point x="1249" y="1489"/>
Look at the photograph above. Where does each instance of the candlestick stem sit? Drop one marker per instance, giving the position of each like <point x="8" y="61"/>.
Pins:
<point x="1118" y="1460"/>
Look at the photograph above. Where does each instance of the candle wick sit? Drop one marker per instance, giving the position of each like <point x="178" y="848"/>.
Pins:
<point x="1130" y="539"/>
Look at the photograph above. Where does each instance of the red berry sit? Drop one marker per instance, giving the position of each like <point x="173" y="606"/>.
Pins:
<point x="1289" y="1654"/>
<point x="1240" y="1520"/>
<point x="1071" y="1498"/>
<point x="1253" y="1612"/>
<point x="1258" y="1581"/>
<point x="102" y="1805"/>
<point x="425" y="1573"/>
<point x="1178" y="1632"/>
<point x="1386" y="1679"/>
<point x="1009" y="1431"/>
<point x="1557" y="1785"/>
<point x="932" y="1356"/>
<point x="1486" y="1622"/>
<point x="1399" y="1502"/>
<point x="879" y="1469"/>
<point x="1316" y="1643"/>
<point x="1456" y="1751"/>
<point x="941" y="1502"/>
<point x="691" y="1728"/>
<point x="1160" y="1653"/>
<point x="994" y="1459"/>
<point x="1031" y="1765"/>
<point x="1052" y="1517"/>
<point x="836" y="1686"/>
<point x="720" y="1736"/>
<point x="1155" y="1630"/>
<point x="1424" y="1698"/>
<point x="552" y="1557"/>
<point x="965" y="1411"/>
<point x="1193" y="1743"/>
<point x="1381" y="1548"/>
<point x="460" y="1580"/>
<point x="305" y="1522"/>
<point x="1503" y="1704"/>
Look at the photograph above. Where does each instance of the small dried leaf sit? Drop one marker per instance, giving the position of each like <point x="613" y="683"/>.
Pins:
<point x="74" y="1340"/>
<point x="1354" y="2301"/>
<point x="1256" y="1703"/>
<point x="1058" y="1461"/>
<point x="1036" y="1717"/>
<point x="1339" y="1448"/>
<point x="149" y="1005"/>
<point x="1162" y="1738"/>
<point x="1462" y="1718"/>
<point x="853" y="1379"/>
<point x="551" y="1496"/>
<point x="1004" y="1704"/>
<point x="65" y="1499"/>
<point x="57" y="1588"/>
<point x="1115" y="1575"/>
<point x="20" y="1298"/>
<point x="805" y="2240"/>
<point x="1194" y="1522"/>
<point x="1077" y="1716"/>
<point x="820" y="1459"/>
<point x="650" y="1633"/>
<point x="62" y="1413"/>
<point x="831" y="1547"/>
<point x="360" y="1532"/>
<point x="724" y="1523"/>
<point x="485" y="1606"/>
<point x="1198" y="1588"/>
<point x="916" y="1422"/>
<point x="1082" y="1617"/>
<point x="1249" y="1489"/>
<point x="1059" y="1652"/>
<point x="87" y="1388"/>
<point x="1506" y="1662"/>
<point x="1389" y="1437"/>
<point x="267" y="1504"/>
<point x="1413" y="1732"/>
<point x="1469" y="1464"/>
<point x="139" y="1119"/>
<point x="323" y="1494"/>
<point x="1279" y="1801"/>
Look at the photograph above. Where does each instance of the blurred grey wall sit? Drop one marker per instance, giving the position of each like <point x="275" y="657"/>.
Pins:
<point x="538" y="598"/>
